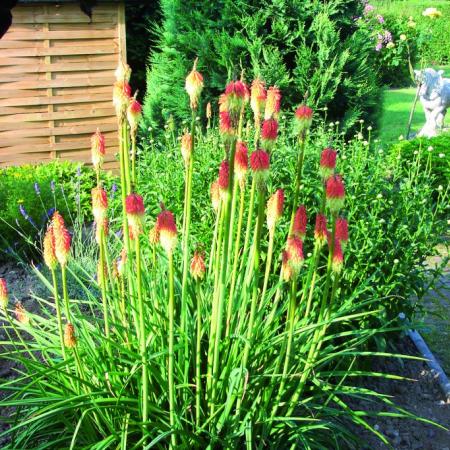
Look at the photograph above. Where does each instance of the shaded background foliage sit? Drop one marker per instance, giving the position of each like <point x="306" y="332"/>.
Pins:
<point x="305" y="46"/>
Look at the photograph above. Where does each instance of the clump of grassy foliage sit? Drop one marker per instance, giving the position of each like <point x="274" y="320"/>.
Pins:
<point x="248" y="342"/>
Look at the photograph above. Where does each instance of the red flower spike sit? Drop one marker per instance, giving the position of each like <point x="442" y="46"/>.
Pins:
<point x="134" y="207"/>
<point x="134" y="114"/>
<point x="167" y="229"/>
<point x="300" y="222"/>
<point x="241" y="162"/>
<point x="335" y="193"/>
<point x="99" y="203"/>
<point x="198" y="267"/>
<point x="62" y="238"/>
<point x="275" y="209"/>
<point x="237" y="94"/>
<point x="224" y="176"/>
<point x="269" y="133"/>
<point x="341" y="232"/>
<point x="338" y="257"/>
<point x="320" y="230"/>
<point x="303" y="118"/>
<point x="273" y="103"/>
<point x="257" y="97"/>
<point x="3" y="294"/>
<point x="294" y="248"/>
<point x="194" y="85"/>
<point x="97" y="149"/>
<point x="225" y="124"/>
<point x="260" y="163"/>
<point x="327" y="163"/>
<point x="223" y="103"/>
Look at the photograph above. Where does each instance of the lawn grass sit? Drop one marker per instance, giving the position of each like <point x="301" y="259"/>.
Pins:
<point x="397" y="105"/>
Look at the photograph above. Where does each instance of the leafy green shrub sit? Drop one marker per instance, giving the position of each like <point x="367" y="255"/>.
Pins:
<point x="30" y="194"/>
<point x="425" y="152"/>
<point x="310" y="46"/>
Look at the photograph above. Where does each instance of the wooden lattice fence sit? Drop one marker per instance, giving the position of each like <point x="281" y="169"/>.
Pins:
<point x="56" y="76"/>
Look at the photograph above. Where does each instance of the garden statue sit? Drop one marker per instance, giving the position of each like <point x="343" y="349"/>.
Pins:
<point x="434" y="95"/>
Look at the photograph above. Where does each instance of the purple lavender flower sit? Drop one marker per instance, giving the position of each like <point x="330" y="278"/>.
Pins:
<point x="79" y="171"/>
<point x="379" y="46"/>
<point x="52" y="186"/>
<point x="380" y="18"/>
<point x="387" y="37"/>
<point x="118" y="234"/>
<point x="37" y="189"/>
<point x="50" y="212"/>
<point x="113" y="189"/>
<point x="25" y="215"/>
<point x="368" y="9"/>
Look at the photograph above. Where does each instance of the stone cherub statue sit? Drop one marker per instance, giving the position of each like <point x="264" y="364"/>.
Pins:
<point x="434" y="93"/>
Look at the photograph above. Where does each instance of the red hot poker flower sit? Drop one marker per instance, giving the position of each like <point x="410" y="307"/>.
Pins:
<point x="274" y="209"/>
<point x="62" y="239"/>
<point x="134" y="207"/>
<point x="194" y="85"/>
<point x="257" y="97"/>
<point x="99" y="203"/>
<point x="70" y="341"/>
<point x="225" y="124"/>
<point x="303" y="118"/>
<point x="294" y="248"/>
<point x="121" y="97"/>
<point x="215" y="195"/>
<point x="49" y="249"/>
<point x="338" y="257"/>
<point x="241" y="162"/>
<point x="3" y="294"/>
<point x="186" y="147"/>
<point x="320" y="230"/>
<point x="327" y="163"/>
<point x="198" y="267"/>
<point x="341" y="232"/>
<point x="286" y="269"/>
<point x="273" y="103"/>
<point x="134" y="114"/>
<point x="237" y="94"/>
<point x="21" y="314"/>
<point x="224" y="176"/>
<point x="335" y="193"/>
<point x="300" y="222"/>
<point x="260" y="163"/>
<point x="97" y="149"/>
<point x="167" y="229"/>
<point x="269" y="133"/>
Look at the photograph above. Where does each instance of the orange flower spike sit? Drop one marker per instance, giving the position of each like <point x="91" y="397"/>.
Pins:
<point x="98" y="149"/>
<point x="21" y="314"/>
<point x="215" y="195"/>
<point x="99" y="204"/>
<point x="194" y="85"/>
<point x="3" y="294"/>
<point x="134" y="114"/>
<point x="62" y="239"/>
<point x="70" y="341"/>
<point x="258" y="97"/>
<point x="198" y="267"/>
<point x="186" y="147"/>
<point x="273" y="103"/>
<point x="49" y="249"/>
<point x="275" y="209"/>
<point x="123" y="72"/>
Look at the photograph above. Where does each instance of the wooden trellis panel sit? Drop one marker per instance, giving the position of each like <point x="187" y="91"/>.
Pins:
<point x="56" y="77"/>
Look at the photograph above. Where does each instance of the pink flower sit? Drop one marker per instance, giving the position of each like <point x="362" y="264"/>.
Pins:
<point x="300" y="222"/>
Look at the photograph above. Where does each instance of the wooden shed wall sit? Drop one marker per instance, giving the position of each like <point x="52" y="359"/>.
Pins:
<point x="56" y="77"/>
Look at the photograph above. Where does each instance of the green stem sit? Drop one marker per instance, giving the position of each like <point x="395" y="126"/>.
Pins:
<point x="133" y="158"/>
<point x="58" y="313"/>
<point x="249" y="223"/>
<point x="198" y="356"/>
<point x="142" y="337"/>
<point x="298" y="180"/>
<point x="171" y="375"/>
<point x="268" y="262"/>
<point x="65" y="294"/>
<point x="235" y="260"/>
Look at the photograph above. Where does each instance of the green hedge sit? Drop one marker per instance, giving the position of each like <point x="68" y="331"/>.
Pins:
<point x="304" y="46"/>
<point x="434" y="152"/>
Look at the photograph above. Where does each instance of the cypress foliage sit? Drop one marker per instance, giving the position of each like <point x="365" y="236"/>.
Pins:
<point x="305" y="46"/>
